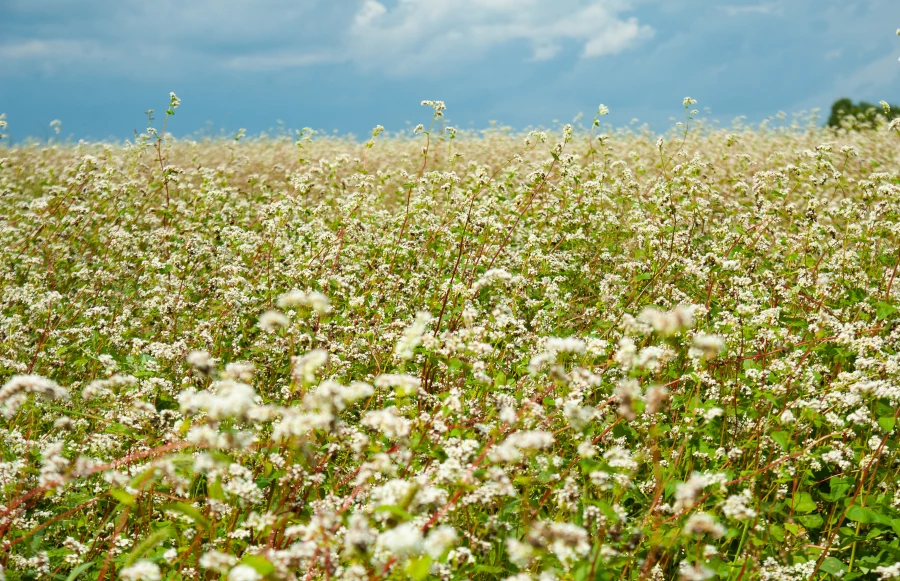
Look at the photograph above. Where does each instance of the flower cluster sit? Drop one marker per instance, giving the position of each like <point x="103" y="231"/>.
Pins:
<point x="452" y="355"/>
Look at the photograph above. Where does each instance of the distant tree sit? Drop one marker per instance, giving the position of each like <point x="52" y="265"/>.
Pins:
<point x="862" y="115"/>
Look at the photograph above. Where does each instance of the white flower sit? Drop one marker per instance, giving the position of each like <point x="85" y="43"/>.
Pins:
<point x="359" y="534"/>
<point x="270" y="320"/>
<point x="490" y="277"/>
<point x="517" y="444"/>
<point x="700" y="523"/>
<point x="64" y="423"/>
<point x="243" y="573"/>
<point x="735" y="506"/>
<point x="403" y="541"/>
<point x="698" y="572"/>
<point x="706" y="346"/>
<point x="305" y="367"/>
<point x="553" y="346"/>
<point x="439" y="540"/>
<point x="141" y="571"/>
<point x="319" y="303"/>
<point x="387" y="421"/>
<point x="712" y="413"/>
<point x="403" y="385"/>
<point x="294" y="298"/>
<point x="564" y="345"/>
<point x="16" y="390"/>
<point x="627" y="392"/>
<point x="586" y="449"/>
<point x="520" y="554"/>
<point x="315" y="300"/>
<point x="786" y="417"/>
<point x="201" y="361"/>
<point x="668" y="322"/>
<point x="619" y="457"/>
<point x="412" y="337"/>
<point x="686" y="492"/>
<point x="565" y="540"/>
<point x="217" y="561"/>
<point x="653" y="399"/>
<point x="239" y="371"/>
<point x="893" y="571"/>
<point x="225" y="399"/>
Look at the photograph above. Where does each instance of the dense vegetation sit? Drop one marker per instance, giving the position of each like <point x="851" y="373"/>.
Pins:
<point x="458" y="355"/>
<point x="845" y="113"/>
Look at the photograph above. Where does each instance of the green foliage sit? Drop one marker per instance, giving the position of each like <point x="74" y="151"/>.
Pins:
<point x="452" y="355"/>
<point x="862" y="115"/>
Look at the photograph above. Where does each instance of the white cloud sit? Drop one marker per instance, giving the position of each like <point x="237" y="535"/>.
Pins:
<point x="170" y="36"/>
<point x="275" y="61"/>
<point x="51" y="55"/>
<point x="741" y="10"/>
<point x="617" y="37"/>
<point x="425" y="35"/>
<point x="408" y="37"/>
<point x="368" y="12"/>
<point x="36" y="49"/>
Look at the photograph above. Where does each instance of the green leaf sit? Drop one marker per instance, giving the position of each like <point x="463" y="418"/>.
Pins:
<point x="833" y="566"/>
<point x="489" y="568"/>
<point x="874" y="532"/>
<point x="214" y="489"/>
<point x="781" y="438"/>
<point x="418" y="568"/>
<point x="867" y="516"/>
<point x="79" y="570"/>
<point x="396" y="511"/>
<point x="122" y="496"/>
<point x="802" y="502"/>
<point x="887" y="423"/>
<point x="838" y="487"/>
<point x="749" y="364"/>
<point x="189" y="511"/>
<point x="608" y="511"/>
<point x="147" y="544"/>
<point x="141" y="478"/>
<point x="861" y="515"/>
<point x="777" y="532"/>
<point x="880" y="518"/>
<point x="262" y="565"/>
<point x="884" y="310"/>
<point x="811" y="521"/>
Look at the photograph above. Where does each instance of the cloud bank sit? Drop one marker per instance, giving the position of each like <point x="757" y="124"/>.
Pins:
<point x="406" y="38"/>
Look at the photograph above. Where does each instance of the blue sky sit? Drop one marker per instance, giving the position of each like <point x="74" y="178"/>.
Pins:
<point x="348" y="65"/>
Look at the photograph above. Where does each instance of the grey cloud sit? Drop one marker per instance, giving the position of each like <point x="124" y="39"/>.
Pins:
<point x="166" y="35"/>
<point x="408" y="38"/>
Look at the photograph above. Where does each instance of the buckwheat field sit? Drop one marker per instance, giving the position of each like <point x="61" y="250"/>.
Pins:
<point x="573" y="354"/>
